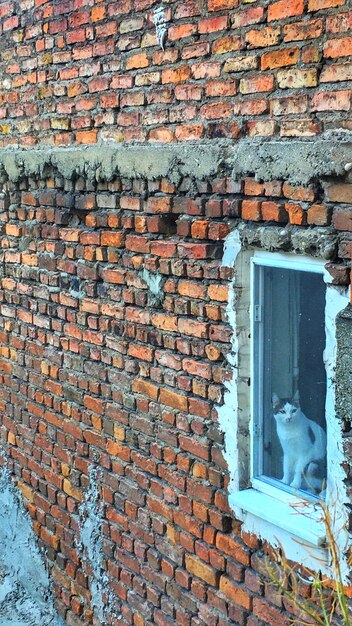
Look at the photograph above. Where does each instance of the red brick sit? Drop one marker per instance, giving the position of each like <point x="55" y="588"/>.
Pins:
<point x="219" y="293"/>
<point x="137" y="61"/>
<point x="158" y="205"/>
<point x="173" y="399"/>
<point x="279" y="58"/>
<point x="335" y="48"/>
<point x="340" y="274"/>
<point x="220" y="88"/>
<point x="222" y="5"/>
<point x="336" y="72"/>
<point x="285" y="8"/>
<point x="164" y="322"/>
<point x="179" y="75"/>
<point x="319" y="214"/>
<point x="216" y="110"/>
<point x="265" y="37"/>
<point x="268" y="613"/>
<point x="196" y="50"/>
<point x="272" y="211"/>
<point x="193" y="328"/>
<point x="339" y="192"/>
<point x="251" y="210"/>
<point x="299" y="31"/>
<point x="181" y="31"/>
<point x="112" y="239"/>
<point x="229" y="43"/>
<point x="339" y="23"/>
<point x="192" y="289"/>
<point x="235" y="593"/>
<point x="198" y="568"/>
<point x="297" y="214"/>
<point x="213" y="24"/>
<point x="252" y="15"/>
<point x="331" y="101"/>
<point x="260" y="82"/>
<point x="318" y="5"/>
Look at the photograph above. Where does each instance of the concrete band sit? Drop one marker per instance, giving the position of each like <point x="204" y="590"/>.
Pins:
<point x="298" y="162"/>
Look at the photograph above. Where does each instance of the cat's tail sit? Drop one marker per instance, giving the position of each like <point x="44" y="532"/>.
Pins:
<point x="313" y="476"/>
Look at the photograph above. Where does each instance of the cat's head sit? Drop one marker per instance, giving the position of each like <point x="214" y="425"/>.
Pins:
<point x="285" y="410"/>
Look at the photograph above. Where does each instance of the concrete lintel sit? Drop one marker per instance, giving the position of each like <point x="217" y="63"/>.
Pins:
<point x="298" y="162"/>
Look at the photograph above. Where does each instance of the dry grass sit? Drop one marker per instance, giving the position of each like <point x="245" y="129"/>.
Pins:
<point x="328" y="599"/>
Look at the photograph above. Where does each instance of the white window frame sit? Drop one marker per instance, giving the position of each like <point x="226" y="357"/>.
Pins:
<point x="266" y="511"/>
<point x="279" y="261"/>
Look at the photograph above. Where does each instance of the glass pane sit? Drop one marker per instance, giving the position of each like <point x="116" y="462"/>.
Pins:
<point x="293" y="449"/>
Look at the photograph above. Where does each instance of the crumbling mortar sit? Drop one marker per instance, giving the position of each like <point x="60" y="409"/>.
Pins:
<point x="317" y="241"/>
<point x="90" y="546"/>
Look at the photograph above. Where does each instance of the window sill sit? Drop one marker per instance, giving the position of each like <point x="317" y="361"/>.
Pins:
<point x="303" y="523"/>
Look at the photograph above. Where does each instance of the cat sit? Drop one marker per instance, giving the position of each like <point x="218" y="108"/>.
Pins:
<point x="303" y="444"/>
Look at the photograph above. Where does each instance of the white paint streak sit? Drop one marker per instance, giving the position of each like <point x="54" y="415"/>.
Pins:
<point x="159" y="19"/>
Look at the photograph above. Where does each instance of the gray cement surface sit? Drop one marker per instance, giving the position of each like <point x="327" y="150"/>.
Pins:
<point x="25" y="594"/>
<point x="298" y="162"/>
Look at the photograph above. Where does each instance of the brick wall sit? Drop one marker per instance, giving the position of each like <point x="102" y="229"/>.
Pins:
<point x="83" y="72"/>
<point x="96" y="369"/>
<point x="113" y="326"/>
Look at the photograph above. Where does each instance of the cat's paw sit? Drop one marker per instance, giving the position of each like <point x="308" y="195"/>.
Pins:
<point x="285" y="480"/>
<point x="296" y="484"/>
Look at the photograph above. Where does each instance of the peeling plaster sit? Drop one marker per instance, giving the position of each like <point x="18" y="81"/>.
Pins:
<point x="154" y="283"/>
<point x="25" y="587"/>
<point x="296" y="161"/>
<point x="315" y="241"/>
<point x="90" y="546"/>
<point x="228" y="413"/>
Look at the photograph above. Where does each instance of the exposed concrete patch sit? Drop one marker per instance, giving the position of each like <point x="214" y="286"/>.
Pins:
<point x="104" y="162"/>
<point x="316" y="242"/>
<point x="25" y="594"/>
<point x="296" y="161"/>
<point x="91" y="548"/>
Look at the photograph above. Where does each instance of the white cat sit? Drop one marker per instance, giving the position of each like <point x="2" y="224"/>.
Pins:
<point x="303" y="444"/>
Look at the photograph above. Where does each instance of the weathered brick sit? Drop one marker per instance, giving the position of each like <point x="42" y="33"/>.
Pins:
<point x="281" y="58"/>
<point x="257" y="83"/>
<point x="198" y="568"/>
<point x="297" y="78"/>
<point x="235" y="593"/>
<point x="285" y="8"/>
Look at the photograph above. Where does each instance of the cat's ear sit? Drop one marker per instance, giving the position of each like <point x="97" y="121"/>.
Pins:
<point x="296" y="397"/>
<point x="275" y="399"/>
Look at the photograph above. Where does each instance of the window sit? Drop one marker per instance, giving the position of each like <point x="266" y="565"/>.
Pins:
<point x="288" y="376"/>
<point x="283" y="311"/>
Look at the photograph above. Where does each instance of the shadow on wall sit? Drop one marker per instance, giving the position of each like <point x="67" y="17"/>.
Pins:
<point x="25" y="594"/>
